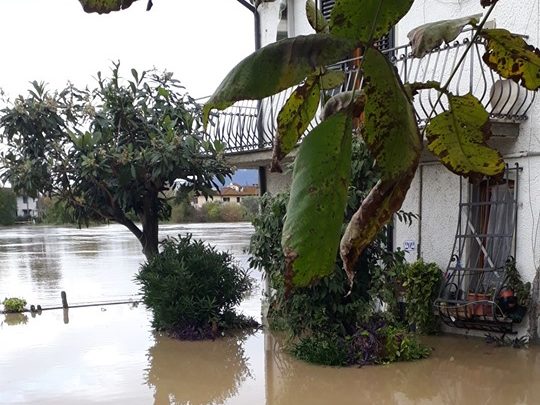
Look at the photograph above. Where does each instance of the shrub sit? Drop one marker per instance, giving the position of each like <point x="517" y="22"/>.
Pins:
<point x="14" y="304"/>
<point x="8" y="206"/>
<point x="232" y="212"/>
<point x="421" y="283"/>
<point x="192" y="289"/>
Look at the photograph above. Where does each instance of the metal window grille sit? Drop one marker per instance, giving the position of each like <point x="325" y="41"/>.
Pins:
<point x="470" y="296"/>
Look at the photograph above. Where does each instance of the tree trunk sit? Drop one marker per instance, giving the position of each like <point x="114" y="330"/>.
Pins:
<point x="150" y="226"/>
<point x="150" y="239"/>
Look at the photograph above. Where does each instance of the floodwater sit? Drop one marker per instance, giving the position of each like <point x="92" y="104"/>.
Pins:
<point x="109" y="355"/>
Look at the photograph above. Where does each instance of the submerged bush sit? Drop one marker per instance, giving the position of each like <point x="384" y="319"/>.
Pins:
<point x="14" y="304"/>
<point x="192" y="289"/>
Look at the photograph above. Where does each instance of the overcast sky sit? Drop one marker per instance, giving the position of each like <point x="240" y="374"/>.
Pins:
<point x="55" y="41"/>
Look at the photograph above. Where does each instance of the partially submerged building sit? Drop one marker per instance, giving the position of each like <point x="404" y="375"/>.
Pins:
<point x="471" y="230"/>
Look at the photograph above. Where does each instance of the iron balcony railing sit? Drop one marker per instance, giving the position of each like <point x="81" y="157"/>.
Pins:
<point x="251" y="125"/>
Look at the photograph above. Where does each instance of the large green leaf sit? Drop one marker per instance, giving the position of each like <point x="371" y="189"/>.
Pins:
<point x="391" y="131"/>
<point x="105" y="6"/>
<point x="294" y="118"/>
<point x="511" y="57"/>
<point x="277" y="67"/>
<point x="354" y="19"/>
<point x="318" y="198"/>
<point x="458" y="137"/>
<point x="429" y="36"/>
<point x="376" y="210"/>
<point x="315" y="17"/>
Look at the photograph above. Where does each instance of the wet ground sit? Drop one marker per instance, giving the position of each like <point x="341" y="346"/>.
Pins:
<point x="109" y="355"/>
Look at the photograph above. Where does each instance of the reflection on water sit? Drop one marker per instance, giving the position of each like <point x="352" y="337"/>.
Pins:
<point x="196" y="373"/>
<point x="110" y="355"/>
<point x="15" y="319"/>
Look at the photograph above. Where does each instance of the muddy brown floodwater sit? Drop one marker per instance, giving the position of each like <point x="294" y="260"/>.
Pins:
<point x="109" y="355"/>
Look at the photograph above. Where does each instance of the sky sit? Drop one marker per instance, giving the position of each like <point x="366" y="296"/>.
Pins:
<point x="55" y="41"/>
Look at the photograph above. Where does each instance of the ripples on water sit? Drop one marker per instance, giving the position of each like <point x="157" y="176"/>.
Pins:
<point x="111" y="356"/>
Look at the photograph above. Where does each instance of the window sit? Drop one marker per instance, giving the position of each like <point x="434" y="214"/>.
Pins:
<point x="226" y="199"/>
<point x="237" y="199"/>
<point x="25" y="199"/>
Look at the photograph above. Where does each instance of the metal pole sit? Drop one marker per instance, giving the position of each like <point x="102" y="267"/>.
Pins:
<point x="64" y="300"/>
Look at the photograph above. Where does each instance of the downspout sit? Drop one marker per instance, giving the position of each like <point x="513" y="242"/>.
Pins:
<point x="260" y="129"/>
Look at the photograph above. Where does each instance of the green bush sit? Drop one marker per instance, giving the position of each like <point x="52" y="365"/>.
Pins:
<point x="14" y="304"/>
<point x="421" y="283"/>
<point x="325" y="322"/>
<point x="192" y="289"/>
<point x="8" y="206"/>
<point x="232" y="212"/>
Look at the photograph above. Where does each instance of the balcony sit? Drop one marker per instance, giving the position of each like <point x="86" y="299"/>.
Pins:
<point x="249" y="126"/>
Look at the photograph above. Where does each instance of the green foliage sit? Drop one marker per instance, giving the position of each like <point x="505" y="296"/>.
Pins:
<point x="321" y="349"/>
<point x="106" y="6"/>
<point x="521" y="290"/>
<point x="318" y="198"/>
<point x="458" y="137"/>
<point x="421" y="282"/>
<point x="56" y="212"/>
<point x="510" y="56"/>
<point x="8" y="207"/>
<point x="294" y="118"/>
<point x="14" y="304"/>
<point x="390" y="128"/>
<point x="316" y="18"/>
<point x="282" y="64"/>
<point x="366" y="20"/>
<point x="112" y="153"/>
<point x="192" y="289"/>
<point x="402" y="346"/>
<point x="232" y="212"/>
<point x="390" y="125"/>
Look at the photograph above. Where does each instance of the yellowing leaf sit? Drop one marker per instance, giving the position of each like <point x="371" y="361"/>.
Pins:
<point x="354" y="19"/>
<point x="294" y="118"/>
<point x="429" y="36"/>
<point x="458" y="137"/>
<point x="105" y="6"/>
<point x="331" y="79"/>
<point x="376" y="210"/>
<point x="277" y="67"/>
<point x="511" y="57"/>
<point x="390" y="130"/>
<point x="317" y="203"/>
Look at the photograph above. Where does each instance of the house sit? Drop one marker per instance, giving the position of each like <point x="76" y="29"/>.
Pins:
<point x="469" y="229"/>
<point x="234" y="193"/>
<point x="27" y="207"/>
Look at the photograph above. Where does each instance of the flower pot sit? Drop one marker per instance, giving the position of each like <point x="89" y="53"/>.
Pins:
<point x="480" y="304"/>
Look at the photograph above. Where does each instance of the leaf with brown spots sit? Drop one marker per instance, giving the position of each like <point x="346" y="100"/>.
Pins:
<point x="317" y="203"/>
<point x="390" y="130"/>
<point x="105" y="6"/>
<point x="376" y="210"/>
<point x="458" y="138"/>
<point x="511" y="57"/>
<point x="392" y="137"/>
<point x="294" y="118"/>
<point x="354" y="19"/>
<point x="277" y="67"/>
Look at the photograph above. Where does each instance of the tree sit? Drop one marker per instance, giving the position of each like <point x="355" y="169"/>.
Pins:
<point x="111" y="153"/>
<point x="8" y="206"/>
<point x="312" y="230"/>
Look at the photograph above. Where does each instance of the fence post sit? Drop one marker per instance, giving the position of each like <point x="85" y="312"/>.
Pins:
<point x="64" y="300"/>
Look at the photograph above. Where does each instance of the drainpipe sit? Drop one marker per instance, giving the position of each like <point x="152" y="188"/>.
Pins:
<point x="260" y="130"/>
